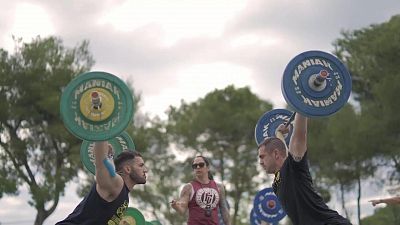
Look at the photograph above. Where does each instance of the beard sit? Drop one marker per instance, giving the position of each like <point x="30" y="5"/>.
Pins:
<point x="136" y="178"/>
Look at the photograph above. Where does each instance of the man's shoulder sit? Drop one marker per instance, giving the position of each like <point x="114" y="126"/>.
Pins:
<point x="292" y="166"/>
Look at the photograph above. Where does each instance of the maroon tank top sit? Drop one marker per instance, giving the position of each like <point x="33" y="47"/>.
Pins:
<point x="204" y="203"/>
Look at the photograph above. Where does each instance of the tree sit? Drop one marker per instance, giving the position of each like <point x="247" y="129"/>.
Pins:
<point x="350" y="159"/>
<point x="164" y="171"/>
<point x="372" y="55"/>
<point x="36" y="150"/>
<point x="221" y="126"/>
<point x="383" y="216"/>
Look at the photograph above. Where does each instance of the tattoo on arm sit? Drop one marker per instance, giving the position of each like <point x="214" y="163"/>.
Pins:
<point x="184" y="198"/>
<point x="224" y="207"/>
<point x="185" y="192"/>
<point x="225" y="215"/>
<point x="297" y="158"/>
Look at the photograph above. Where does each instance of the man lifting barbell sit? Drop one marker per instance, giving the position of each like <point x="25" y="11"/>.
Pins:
<point x="97" y="107"/>
<point x="314" y="84"/>
<point x="293" y="183"/>
<point x="109" y="196"/>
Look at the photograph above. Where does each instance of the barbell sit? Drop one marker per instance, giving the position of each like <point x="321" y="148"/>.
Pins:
<point x="97" y="106"/>
<point x="269" y="122"/>
<point x="132" y="216"/>
<point x="314" y="84"/>
<point x="122" y="142"/>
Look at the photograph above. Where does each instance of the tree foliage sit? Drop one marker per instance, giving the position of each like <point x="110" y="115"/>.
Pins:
<point x="221" y="126"/>
<point x="373" y="57"/>
<point x="342" y="139"/>
<point x="36" y="150"/>
<point x="164" y="171"/>
<point x="384" y="216"/>
<point x="360" y="139"/>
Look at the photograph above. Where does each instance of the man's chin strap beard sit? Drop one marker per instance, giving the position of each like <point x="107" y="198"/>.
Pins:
<point x="136" y="178"/>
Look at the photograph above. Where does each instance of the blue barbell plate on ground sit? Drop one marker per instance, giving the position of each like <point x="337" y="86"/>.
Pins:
<point x="269" y="122"/>
<point x="267" y="207"/>
<point x="324" y="99"/>
<point x="255" y="221"/>
<point x="253" y="218"/>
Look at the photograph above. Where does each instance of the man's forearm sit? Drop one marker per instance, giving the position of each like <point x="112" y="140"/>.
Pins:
<point x="394" y="200"/>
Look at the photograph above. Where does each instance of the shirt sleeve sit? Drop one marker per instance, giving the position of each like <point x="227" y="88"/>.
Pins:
<point x="300" y="168"/>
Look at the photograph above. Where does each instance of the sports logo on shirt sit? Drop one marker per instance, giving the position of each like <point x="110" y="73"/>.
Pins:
<point x="207" y="198"/>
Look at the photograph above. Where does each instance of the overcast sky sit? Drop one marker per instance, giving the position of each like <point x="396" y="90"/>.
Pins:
<point x="183" y="49"/>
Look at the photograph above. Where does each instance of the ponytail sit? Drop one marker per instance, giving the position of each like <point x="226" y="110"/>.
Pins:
<point x="210" y="176"/>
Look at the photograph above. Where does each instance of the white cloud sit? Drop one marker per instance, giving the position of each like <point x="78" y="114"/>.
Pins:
<point x="255" y="40"/>
<point x="29" y="21"/>
<point x="175" y="19"/>
<point x="196" y="81"/>
<point x="12" y="202"/>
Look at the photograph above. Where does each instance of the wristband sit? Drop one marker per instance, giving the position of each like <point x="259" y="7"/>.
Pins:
<point x="110" y="167"/>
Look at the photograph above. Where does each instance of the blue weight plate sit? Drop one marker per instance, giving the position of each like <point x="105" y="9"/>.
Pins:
<point x="269" y="122"/>
<point x="267" y="207"/>
<point x="253" y="218"/>
<point x="270" y="205"/>
<point x="305" y="99"/>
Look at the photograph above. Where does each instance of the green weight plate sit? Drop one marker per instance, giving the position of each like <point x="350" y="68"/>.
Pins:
<point x="149" y="223"/>
<point x="156" y="222"/>
<point x="132" y="216"/>
<point x="96" y="106"/>
<point x="120" y="143"/>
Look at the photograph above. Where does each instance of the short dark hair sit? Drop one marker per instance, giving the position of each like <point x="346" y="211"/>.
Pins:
<point x="273" y="143"/>
<point x="123" y="157"/>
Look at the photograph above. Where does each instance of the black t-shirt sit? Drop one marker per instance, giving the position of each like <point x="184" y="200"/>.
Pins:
<point x="294" y="188"/>
<point x="94" y="210"/>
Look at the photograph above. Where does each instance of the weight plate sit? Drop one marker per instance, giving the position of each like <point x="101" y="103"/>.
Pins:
<point x="96" y="106"/>
<point x="253" y="218"/>
<point x="309" y="96"/>
<point x="119" y="143"/>
<point x="133" y="216"/>
<point x="156" y="222"/>
<point x="269" y="122"/>
<point x="267" y="207"/>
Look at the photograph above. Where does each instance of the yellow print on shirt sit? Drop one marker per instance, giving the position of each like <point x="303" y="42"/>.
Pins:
<point x="115" y="219"/>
